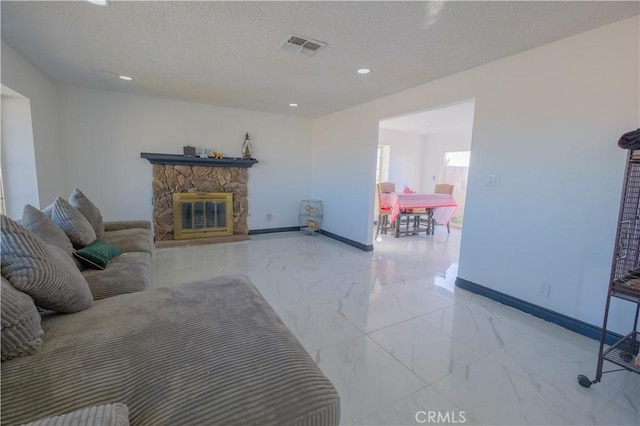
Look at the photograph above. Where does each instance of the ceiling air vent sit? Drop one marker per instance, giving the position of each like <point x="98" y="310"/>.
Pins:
<point x="302" y="45"/>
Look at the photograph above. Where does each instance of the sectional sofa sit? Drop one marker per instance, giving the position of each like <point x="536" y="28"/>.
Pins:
<point x="96" y="347"/>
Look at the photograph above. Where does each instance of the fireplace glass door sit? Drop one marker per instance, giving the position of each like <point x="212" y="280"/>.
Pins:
<point x="202" y="214"/>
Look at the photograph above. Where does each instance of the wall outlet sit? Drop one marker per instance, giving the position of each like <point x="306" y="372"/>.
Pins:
<point x="544" y="289"/>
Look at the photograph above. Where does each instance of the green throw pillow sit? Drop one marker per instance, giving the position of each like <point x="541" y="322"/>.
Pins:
<point x="98" y="254"/>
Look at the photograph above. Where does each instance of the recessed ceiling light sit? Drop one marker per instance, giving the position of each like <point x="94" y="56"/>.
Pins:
<point x="125" y="77"/>
<point x="293" y="105"/>
<point x="364" y="71"/>
<point x="99" y="2"/>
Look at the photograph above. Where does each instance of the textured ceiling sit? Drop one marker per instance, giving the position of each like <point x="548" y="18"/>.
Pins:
<point x="228" y="53"/>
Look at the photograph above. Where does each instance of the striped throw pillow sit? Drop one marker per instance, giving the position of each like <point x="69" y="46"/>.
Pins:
<point x="21" y="330"/>
<point x="88" y="210"/>
<point x="73" y="223"/>
<point x="43" y="271"/>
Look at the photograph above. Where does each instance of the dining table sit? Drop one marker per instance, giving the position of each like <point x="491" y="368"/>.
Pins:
<point x="440" y="207"/>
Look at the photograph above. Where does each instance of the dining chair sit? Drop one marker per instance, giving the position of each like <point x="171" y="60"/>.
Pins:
<point x="383" y="213"/>
<point x="387" y="187"/>
<point x="443" y="188"/>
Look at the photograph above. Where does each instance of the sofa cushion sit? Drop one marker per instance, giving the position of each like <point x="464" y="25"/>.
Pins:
<point x="88" y="210"/>
<point x="98" y="254"/>
<point x="21" y="330"/>
<point x="40" y="224"/>
<point x="116" y="225"/>
<point x="212" y="352"/>
<point x="102" y="415"/>
<point x="43" y="271"/>
<point x="73" y="223"/>
<point x="127" y="273"/>
<point x="129" y="240"/>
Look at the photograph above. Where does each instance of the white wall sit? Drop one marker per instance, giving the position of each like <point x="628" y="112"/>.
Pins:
<point x="19" y="75"/>
<point x="19" y="175"/>
<point x="343" y="171"/>
<point x="548" y="120"/>
<point x="105" y="132"/>
<point x="435" y="145"/>
<point x="405" y="157"/>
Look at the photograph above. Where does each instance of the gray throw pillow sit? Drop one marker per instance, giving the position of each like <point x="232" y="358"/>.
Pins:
<point x="102" y="415"/>
<point x="21" y="330"/>
<point x="49" y="209"/>
<point x="88" y="210"/>
<point x="43" y="271"/>
<point x="73" y="223"/>
<point x="41" y="225"/>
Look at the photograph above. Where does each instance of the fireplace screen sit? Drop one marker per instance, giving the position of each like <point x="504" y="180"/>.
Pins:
<point x="202" y="214"/>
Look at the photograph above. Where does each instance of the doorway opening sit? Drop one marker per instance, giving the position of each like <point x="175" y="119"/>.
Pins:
<point x="423" y="149"/>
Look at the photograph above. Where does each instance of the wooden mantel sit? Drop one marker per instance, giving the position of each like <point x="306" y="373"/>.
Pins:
<point x="185" y="160"/>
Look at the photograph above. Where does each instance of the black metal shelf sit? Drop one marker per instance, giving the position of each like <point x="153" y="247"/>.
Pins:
<point x="619" y="290"/>
<point x="624" y="282"/>
<point x="624" y="352"/>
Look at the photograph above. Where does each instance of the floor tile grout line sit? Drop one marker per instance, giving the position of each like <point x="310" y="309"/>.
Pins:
<point x="437" y="380"/>
<point x="394" y="402"/>
<point x="394" y="357"/>
<point x="453" y="403"/>
<point x="404" y="366"/>
<point x="490" y="348"/>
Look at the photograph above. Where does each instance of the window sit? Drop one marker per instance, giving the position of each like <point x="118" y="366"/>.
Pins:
<point x="382" y="163"/>
<point x="456" y="172"/>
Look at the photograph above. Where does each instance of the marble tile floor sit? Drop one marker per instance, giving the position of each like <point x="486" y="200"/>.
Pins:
<point x="398" y="339"/>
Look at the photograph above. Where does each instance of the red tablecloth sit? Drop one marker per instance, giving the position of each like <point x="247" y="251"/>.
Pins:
<point x="444" y="205"/>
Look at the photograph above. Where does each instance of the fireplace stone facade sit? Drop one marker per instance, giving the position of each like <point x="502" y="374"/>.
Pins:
<point x="169" y="179"/>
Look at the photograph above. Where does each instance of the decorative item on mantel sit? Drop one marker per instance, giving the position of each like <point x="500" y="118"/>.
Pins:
<point x="189" y="151"/>
<point x="247" y="147"/>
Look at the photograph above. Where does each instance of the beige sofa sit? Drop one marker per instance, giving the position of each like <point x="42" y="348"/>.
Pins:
<point x="211" y="352"/>
<point x="127" y="273"/>
<point x="102" y="351"/>
<point x="131" y="271"/>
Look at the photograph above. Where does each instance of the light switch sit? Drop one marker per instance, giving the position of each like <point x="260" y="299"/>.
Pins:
<point x="493" y="179"/>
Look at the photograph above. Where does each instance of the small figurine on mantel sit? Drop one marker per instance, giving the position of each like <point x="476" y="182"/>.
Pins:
<point x="247" y="148"/>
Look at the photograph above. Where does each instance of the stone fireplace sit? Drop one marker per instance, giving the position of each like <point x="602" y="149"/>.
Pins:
<point x="175" y="174"/>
